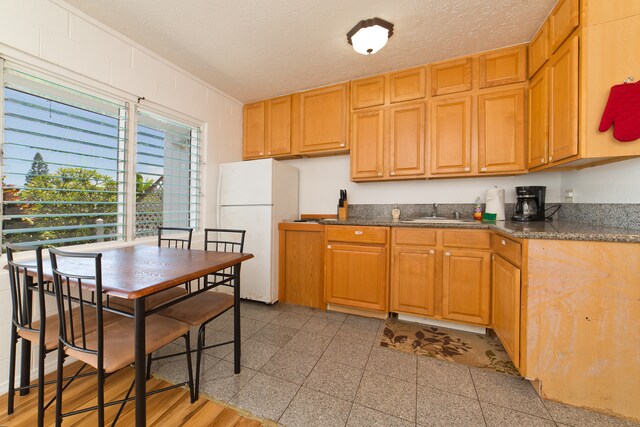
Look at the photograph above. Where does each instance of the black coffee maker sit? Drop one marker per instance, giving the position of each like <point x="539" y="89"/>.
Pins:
<point x="529" y="204"/>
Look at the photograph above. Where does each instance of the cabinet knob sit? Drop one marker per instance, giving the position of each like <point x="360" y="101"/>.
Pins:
<point x="341" y="145"/>
<point x="541" y="160"/>
<point x="269" y="152"/>
<point x="328" y="246"/>
<point x="467" y="169"/>
<point x="379" y="173"/>
<point x="392" y="173"/>
<point x="447" y="254"/>
<point x="261" y="153"/>
<point x="432" y="251"/>
<point x="550" y="158"/>
<point x="483" y="169"/>
<point x="358" y="232"/>
<point x="504" y="243"/>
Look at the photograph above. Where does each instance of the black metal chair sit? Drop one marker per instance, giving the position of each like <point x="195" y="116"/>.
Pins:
<point x="110" y="347"/>
<point x="155" y="300"/>
<point x="204" y="307"/>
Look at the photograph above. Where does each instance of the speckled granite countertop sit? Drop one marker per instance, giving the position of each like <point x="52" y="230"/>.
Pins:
<point x="550" y="230"/>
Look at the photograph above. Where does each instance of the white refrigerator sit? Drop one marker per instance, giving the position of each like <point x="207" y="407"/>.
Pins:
<point x="254" y="196"/>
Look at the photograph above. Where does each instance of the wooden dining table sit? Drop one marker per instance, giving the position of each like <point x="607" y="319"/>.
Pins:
<point x="136" y="272"/>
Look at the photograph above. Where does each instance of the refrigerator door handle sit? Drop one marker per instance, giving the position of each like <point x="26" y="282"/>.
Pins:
<point x="218" y="196"/>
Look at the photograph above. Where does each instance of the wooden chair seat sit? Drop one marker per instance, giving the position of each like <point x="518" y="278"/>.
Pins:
<point x="119" y="341"/>
<point x="52" y="330"/>
<point x="151" y="302"/>
<point x="200" y="308"/>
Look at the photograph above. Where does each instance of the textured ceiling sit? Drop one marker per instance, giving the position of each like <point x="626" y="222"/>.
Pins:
<point x="256" y="49"/>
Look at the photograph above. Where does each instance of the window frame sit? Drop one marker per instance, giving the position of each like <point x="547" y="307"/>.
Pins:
<point x="132" y="103"/>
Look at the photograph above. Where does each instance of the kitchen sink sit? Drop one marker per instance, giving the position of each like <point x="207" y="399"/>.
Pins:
<point x="436" y="219"/>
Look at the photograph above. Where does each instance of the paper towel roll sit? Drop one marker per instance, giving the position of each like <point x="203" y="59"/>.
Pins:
<point x="495" y="202"/>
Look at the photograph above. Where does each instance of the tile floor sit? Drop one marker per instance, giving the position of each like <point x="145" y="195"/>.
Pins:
<point x="306" y="367"/>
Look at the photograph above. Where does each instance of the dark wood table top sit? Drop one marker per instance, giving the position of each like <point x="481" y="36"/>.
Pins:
<point x="135" y="271"/>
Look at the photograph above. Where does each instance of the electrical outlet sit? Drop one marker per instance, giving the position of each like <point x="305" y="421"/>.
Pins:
<point x="568" y="196"/>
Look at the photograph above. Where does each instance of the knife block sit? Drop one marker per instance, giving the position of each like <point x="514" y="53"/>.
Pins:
<point x="342" y="212"/>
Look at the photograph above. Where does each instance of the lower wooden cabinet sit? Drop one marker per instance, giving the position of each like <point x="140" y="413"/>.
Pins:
<point x="506" y="306"/>
<point x="356" y="272"/>
<point x="466" y="286"/>
<point x="414" y="280"/>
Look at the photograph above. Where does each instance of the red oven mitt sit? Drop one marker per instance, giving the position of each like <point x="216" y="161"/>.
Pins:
<point x="623" y="112"/>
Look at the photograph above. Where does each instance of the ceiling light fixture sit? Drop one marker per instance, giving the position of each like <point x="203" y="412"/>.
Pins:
<point x="370" y="35"/>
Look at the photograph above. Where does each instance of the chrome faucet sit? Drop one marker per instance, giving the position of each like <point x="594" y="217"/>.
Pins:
<point x="435" y="210"/>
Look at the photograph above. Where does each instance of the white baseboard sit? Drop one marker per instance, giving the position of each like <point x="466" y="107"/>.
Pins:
<point x="443" y="323"/>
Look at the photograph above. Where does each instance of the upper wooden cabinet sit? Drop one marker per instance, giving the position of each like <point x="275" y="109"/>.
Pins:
<point x="369" y="92"/>
<point x="388" y="143"/>
<point x="564" y="18"/>
<point x="254" y="130"/>
<point x="450" y="135"/>
<point x="367" y="144"/>
<point x="563" y="101"/>
<point x="267" y="128"/>
<point x="539" y="119"/>
<point x="324" y="119"/>
<point x="501" y="137"/>
<point x="407" y="85"/>
<point x="539" y="49"/>
<point x="503" y="67"/>
<point x="451" y="77"/>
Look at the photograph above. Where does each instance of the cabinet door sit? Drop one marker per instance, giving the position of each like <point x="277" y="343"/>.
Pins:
<point x="506" y="306"/>
<point x="279" y="126"/>
<point x="356" y="276"/>
<point x="450" y="135"/>
<point x="253" y="144"/>
<point x="367" y="92"/>
<point x="564" y="18"/>
<point x="407" y="85"/>
<point x="539" y="119"/>
<point x="501" y="131"/>
<point x="451" y="77"/>
<point x="563" y="102"/>
<point x="413" y="280"/>
<point x="407" y="141"/>
<point x="539" y="49"/>
<point x="466" y="286"/>
<point x="503" y="67"/>
<point x="367" y="142"/>
<point x="324" y="119"/>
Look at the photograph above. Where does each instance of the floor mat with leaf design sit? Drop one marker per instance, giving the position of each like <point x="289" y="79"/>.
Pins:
<point x="467" y="348"/>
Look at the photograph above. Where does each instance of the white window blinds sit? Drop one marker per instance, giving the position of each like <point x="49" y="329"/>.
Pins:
<point x="167" y="174"/>
<point x="63" y="164"/>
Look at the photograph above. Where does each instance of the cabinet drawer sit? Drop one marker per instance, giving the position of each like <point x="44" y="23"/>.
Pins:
<point x="356" y="234"/>
<point x="414" y="236"/>
<point x="466" y="239"/>
<point x="507" y="248"/>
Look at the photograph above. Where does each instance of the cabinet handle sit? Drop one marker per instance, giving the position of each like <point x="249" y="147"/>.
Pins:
<point x="447" y="254"/>
<point x="504" y="243"/>
<point x="359" y="232"/>
<point x="483" y="169"/>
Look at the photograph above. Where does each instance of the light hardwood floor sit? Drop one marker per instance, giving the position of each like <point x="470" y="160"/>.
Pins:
<point x="171" y="408"/>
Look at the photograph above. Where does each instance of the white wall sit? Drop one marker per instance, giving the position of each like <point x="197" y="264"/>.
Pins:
<point x="321" y="178"/>
<point x="54" y="38"/>
<point x="613" y="183"/>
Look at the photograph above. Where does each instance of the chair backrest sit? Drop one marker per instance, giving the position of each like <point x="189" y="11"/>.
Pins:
<point x="71" y="271"/>
<point x="173" y="241"/>
<point x="223" y="240"/>
<point x="22" y="286"/>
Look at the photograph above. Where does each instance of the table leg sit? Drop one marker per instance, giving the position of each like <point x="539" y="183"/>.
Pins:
<point x="25" y="352"/>
<point x="236" y="319"/>
<point x="140" y="362"/>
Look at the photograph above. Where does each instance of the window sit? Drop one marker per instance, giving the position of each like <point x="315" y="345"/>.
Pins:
<point x="63" y="164"/>
<point x="167" y="174"/>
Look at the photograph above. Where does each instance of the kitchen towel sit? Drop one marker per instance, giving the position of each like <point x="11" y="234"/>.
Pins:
<point x="495" y="202"/>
